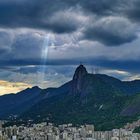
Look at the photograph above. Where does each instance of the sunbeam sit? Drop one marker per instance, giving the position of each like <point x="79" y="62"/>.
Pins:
<point x="44" y="57"/>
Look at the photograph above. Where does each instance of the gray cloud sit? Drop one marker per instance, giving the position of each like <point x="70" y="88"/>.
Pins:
<point x="111" y="31"/>
<point x="26" y="49"/>
<point x="32" y="14"/>
<point x="62" y="17"/>
<point x="5" y="41"/>
<point x="130" y="9"/>
<point x="79" y="31"/>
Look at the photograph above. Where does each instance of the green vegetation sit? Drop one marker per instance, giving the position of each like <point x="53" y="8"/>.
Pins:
<point x="102" y="111"/>
<point x="96" y="99"/>
<point x="137" y="130"/>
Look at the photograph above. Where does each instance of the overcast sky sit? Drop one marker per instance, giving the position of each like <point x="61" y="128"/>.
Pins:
<point x="42" y="42"/>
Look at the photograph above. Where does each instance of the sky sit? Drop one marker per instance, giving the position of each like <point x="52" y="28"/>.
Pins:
<point x="42" y="42"/>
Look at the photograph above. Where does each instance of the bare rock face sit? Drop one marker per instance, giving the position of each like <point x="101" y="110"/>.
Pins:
<point x="78" y="79"/>
<point x="79" y="72"/>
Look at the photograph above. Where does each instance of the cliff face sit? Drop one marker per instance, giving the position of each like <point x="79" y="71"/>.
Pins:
<point x="78" y="77"/>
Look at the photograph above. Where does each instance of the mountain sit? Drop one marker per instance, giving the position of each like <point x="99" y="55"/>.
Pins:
<point x="14" y="104"/>
<point x="87" y="98"/>
<point x="132" y="106"/>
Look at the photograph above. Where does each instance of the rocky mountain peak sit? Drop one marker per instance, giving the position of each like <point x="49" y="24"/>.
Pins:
<point x="79" y="72"/>
<point x="78" y="79"/>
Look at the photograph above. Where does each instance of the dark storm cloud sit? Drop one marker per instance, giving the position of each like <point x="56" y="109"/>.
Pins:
<point x="101" y="8"/>
<point x="131" y="10"/>
<point x="57" y="17"/>
<point x="111" y="31"/>
<point x="52" y="15"/>
<point x="62" y="66"/>
<point x="35" y="14"/>
<point x="27" y="46"/>
<point x="5" y="45"/>
<point x="132" y="66"/>
<point x="22" y="49"/>
<point x="109" y="22"/>
<point x="26" y="50"/>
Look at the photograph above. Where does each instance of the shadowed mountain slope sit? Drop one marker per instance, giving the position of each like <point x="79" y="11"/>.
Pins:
<point x="87" y="98"/>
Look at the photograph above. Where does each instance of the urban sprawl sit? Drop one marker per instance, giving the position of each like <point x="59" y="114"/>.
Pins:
<point x="48" y="131"/>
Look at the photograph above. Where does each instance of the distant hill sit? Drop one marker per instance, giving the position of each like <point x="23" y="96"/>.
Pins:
<point x="14" y="104"/>
<point x="87" y="98"/>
